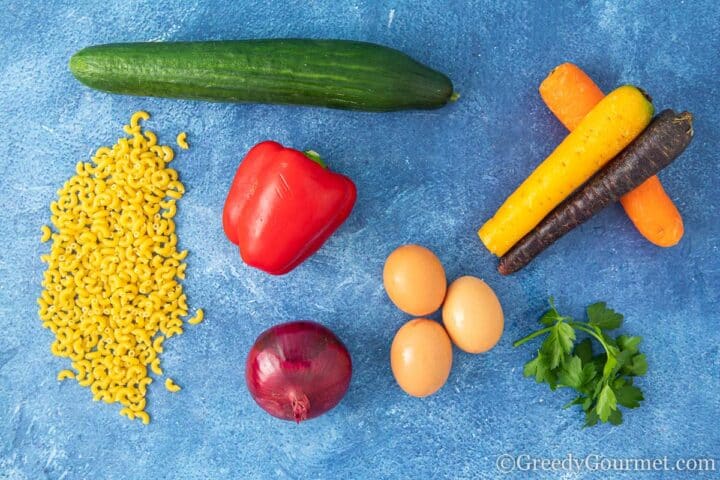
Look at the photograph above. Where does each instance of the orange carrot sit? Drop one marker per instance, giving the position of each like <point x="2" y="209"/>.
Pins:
<point x="570" y="94"/>
<point x="653" y="213"/>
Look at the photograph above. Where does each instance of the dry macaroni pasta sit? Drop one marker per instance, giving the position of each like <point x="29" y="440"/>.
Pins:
<point x="111" y="293"/>
<point x="46" y="233"/>
<point x="171" y="386"/>
<point x="182" y="140"/>
<point x="199" y="316"/>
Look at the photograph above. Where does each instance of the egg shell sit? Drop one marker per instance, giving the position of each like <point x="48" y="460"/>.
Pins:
<point x="421" y="357"/>
<point x="472" y="315"/>
<point x="414" y="279"/>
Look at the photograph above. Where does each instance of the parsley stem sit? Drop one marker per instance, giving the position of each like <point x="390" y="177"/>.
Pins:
<point x="531" y="336"/>
<point x="590" y="331"/>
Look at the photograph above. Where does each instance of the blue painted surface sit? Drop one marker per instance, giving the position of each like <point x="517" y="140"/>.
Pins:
<point x="425" y="177"/>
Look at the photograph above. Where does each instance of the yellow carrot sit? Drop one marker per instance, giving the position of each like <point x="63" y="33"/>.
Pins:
<point x="609" y="127"/>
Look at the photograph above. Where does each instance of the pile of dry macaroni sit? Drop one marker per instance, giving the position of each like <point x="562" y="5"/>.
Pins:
<point x="111" y="293"/>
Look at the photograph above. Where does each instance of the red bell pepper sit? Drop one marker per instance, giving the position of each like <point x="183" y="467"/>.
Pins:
<point x="282" y="206"/>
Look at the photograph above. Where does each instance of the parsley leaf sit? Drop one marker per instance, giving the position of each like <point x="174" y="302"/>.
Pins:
<point x="602" y="317"/>
<point x="629" y="396"/>
<point x="558" y="343"/>
<point x="603" y="381"/>
<point x="571" y="374"/>
<point x="638" y="366"/>
<point x="628" y="343"/>
<point x="530" y="368"/>
<point x="588" y="376"/>
<point x="566" y="336"/>
<point x="584" y="350"/>
<point x="615" y="417"/>
<point x="591" y="418"/>
<point x="537" y="367"/>
<point x="575" y="401"/>
<point x="606" y="403"/>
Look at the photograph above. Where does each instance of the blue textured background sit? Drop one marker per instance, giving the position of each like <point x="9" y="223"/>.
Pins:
<point x="426" y="177"/>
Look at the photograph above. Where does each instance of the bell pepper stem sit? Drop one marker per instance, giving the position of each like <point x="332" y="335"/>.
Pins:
<point x="315" y="157"/>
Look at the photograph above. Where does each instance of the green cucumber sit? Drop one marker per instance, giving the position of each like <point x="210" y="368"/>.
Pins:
<point x="327" y="73"/>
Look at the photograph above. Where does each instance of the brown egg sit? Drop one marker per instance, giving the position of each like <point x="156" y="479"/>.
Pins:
<point x="472" y="315"/>
<point x="421" y="357"/>
<point x="415" y="280"/>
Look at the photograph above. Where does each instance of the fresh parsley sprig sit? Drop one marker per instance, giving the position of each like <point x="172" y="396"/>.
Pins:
<point x="604" y="381"/>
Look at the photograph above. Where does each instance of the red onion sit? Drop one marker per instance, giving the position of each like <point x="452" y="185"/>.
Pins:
<point x="298" y="370"/>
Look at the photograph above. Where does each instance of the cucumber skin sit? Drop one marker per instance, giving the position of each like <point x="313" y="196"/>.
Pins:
<point x="328" y="73"/>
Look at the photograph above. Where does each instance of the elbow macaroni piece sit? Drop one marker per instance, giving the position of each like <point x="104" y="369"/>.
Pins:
<point x="171" y="386"/>
<point x="199" y="316"/>
<point x="110" y="291"/>
<point x="155" y="366"/>
<point x="143" y="416"/>
<point x="65" y="374"/>
<point x="135" y="120"/>
<point x="182" y="140"/>
<point x="46" y="233"/>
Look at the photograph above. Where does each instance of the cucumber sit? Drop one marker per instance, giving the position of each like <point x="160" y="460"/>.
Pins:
<point x="328" y="73"/>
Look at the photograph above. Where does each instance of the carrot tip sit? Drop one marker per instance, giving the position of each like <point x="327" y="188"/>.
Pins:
<point x="502" y="269"/>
